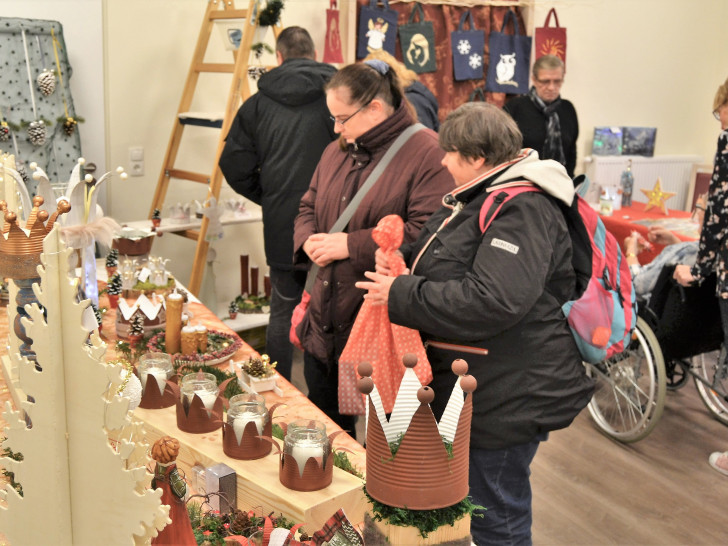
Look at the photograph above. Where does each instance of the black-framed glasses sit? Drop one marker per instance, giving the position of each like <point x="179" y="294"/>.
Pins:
<point x="343" y="121"/>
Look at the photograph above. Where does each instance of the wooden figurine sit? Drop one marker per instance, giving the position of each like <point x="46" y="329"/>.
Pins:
<point x="174" y="488"/>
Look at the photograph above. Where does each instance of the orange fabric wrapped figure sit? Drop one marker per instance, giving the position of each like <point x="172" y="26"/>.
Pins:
<point x="377" y="341"/>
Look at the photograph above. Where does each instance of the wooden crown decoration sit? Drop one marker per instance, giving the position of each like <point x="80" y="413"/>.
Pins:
<point x="421" y="475"/>
<point x="26" y="244"/>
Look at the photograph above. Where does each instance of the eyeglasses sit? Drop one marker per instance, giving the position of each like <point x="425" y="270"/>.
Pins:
<point x="549" y="82"/>
<point x="716" y="114"/>
<point x="343" y="121"/>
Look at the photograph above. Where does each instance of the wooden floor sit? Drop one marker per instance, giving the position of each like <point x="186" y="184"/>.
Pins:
<point x="589" y="489"/>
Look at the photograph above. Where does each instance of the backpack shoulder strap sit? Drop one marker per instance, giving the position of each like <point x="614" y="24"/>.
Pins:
<point x="498" y="197"/>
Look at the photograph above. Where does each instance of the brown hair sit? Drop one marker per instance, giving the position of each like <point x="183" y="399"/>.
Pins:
<point x="165" y="450"/>
<point x="479" y="129"/>
<point x="295" y="43"/>
<point x="721" y="96"/>
<point x="366" y="82"/>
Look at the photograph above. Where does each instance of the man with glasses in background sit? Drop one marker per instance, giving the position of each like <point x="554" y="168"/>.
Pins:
<point x="548" y="122"/>
<point x="270" y="154"/>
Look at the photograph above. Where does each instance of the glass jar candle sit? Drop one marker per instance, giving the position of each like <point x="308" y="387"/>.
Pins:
<point x="305" y="439"/>
<point x="156" y="365"/>
<point x="246" y="408"/>
<point x="201" y="384"/>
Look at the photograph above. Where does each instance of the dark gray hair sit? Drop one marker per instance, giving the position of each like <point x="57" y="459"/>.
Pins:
<point x="479" y="129"/>
<point x="547" y="62"/>
<point x="295" y="43"/>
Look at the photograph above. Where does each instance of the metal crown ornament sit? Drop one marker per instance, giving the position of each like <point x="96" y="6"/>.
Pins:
<point x="20" y="247"/>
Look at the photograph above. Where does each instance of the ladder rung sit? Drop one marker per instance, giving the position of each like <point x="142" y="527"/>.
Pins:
<point x="229" y="14"/>
<point x="215" y="67"/>
<point x="189" y="175"/>
<point x="188" y="233"/>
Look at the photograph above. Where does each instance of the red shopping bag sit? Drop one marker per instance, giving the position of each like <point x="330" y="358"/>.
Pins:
<point x="375" y="340"/>
<point x="332" y="42"/>
<point x="550" y="40"/>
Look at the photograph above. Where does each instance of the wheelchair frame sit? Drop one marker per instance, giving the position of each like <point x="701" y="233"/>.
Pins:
<point x="674" y="331"/>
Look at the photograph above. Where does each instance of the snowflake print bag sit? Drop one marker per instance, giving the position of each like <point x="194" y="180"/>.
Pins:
<point x="375" y="340"/>
<point x="509" y="60"/>
<point x="550" y="40"/>
<point x="468" y="47"/>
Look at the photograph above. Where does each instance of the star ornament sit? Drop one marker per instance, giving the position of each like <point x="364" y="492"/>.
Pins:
<point x="656" y="197"/>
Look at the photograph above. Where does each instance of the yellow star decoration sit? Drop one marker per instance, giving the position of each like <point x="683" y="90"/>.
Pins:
<point x="656" y="197"/>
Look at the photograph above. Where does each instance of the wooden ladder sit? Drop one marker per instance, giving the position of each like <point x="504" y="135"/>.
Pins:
<point x="239" y="91"/>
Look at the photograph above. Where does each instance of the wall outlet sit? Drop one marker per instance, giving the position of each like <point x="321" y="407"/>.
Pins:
<point x="136" y="161"/>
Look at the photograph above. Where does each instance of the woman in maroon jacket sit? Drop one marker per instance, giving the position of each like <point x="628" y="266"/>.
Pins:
<point x="369" y="110"/>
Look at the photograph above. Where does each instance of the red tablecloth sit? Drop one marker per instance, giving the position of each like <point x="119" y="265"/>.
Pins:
<point x="622" y="222"/>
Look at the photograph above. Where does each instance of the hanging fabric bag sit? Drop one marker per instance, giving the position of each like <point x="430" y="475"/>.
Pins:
<point x="377" y="29"/>
<point x="332" y="43"/>
<point x="477" y="95"/>
<point x="468" y="48"/>
<point x="509" y="60"/>
<point x="550" y="40"/>
<point x="418" y="42"/>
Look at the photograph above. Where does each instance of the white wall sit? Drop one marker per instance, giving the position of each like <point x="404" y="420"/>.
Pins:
<point x="630" y="62"/>
<point x="653" y="63"/>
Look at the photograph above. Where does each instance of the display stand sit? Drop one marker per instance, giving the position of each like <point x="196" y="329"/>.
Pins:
<point x="77" y="489"/>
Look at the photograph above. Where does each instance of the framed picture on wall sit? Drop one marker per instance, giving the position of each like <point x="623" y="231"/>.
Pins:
<point x="638" y="141"/>
<point x="607" y="141"/>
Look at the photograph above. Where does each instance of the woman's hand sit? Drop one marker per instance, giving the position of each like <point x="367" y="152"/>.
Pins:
<point x="378" y="288"/>
<point x="324" y="248"/>
<point x="381" y="262"/>
<point x="661" y="236"/>
<point x="683" y="275"/>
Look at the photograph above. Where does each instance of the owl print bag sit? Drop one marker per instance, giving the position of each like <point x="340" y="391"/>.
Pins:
<point x="418" y="42"/>
<point x="509" y="61"/>
<point x="468" y="47"/>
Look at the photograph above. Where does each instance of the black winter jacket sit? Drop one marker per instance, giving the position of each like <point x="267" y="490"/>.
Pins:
<point x="501" y="291"/>
<point x="274" y="145"/>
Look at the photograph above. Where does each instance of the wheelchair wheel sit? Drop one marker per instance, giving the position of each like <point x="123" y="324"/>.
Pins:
<point x="630" y="388"/>
<point x="709" y="367"/>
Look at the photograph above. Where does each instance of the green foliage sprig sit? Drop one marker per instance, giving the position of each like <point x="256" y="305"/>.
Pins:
<point x="232" y="388"/>
<point x="7" y="474"/>
<point x="270" y="14"/>
<point x="426" y="521"/>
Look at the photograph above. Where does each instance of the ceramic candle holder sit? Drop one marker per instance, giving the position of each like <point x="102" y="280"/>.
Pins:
<point x="154" y="370"/>
<point x="306" y="462"/>
<point x="247" y="430"/>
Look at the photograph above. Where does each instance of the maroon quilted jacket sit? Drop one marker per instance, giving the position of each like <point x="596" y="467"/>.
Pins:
<point x="412" y="186"/>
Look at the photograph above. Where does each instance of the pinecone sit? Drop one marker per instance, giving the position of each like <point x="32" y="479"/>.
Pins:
<point x="46" y="82"/>
<point x="22" y="172"/>
<point x="4" y="132"/>
<point x="240" y="523"/>
<point x="136" y="328"/>
<point x="255" y="368"/>
<point x="69" y="126"/>
<point x="112" y="258"/>
<point x="37" y="132"/>
<point x="114" y="286"/>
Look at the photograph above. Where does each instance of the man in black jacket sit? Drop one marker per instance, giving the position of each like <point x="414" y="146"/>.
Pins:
<point x="270" y="154"/>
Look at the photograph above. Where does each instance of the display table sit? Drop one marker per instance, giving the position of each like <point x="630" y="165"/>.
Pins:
<point x="627" y="219"/>
<point x="258" y="486"/>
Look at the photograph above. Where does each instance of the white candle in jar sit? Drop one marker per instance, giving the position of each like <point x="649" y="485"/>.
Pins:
<point x="303" y="450"/>
<point x="159" y="374"/>
<point x="208" y="399"/>
<point x="243" y="419"/>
